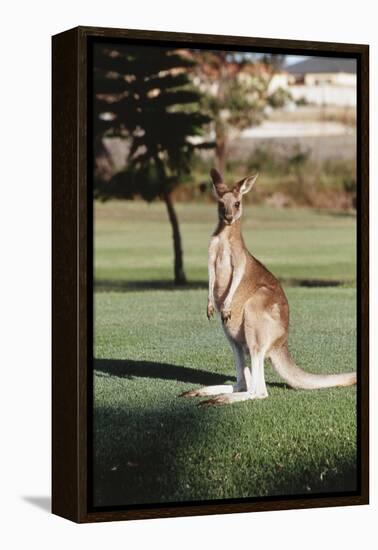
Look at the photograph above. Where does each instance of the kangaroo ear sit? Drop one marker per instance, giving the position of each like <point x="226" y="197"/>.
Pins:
<point x="246" y="184"/>
<point x="219" y="187"/>
<point x="215" y="176"/>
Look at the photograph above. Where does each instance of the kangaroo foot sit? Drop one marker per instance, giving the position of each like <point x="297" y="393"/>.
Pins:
<point x="208" y="390"/>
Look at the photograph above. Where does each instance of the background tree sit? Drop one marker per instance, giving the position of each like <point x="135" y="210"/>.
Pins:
<point x="237" y="92"/>
<point x="144" y="95"/>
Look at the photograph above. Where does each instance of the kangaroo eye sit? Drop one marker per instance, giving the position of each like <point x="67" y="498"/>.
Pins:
<point x="237" y="204"/>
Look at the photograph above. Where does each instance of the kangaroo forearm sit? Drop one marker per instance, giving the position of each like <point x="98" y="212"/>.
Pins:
<point x="210" y="300"/>
<point x="211" y="267"/>
<point x="236" y="279"/>
<point x="211" y="283"/>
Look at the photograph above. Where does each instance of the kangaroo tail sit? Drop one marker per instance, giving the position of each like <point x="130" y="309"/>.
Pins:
<point x="300" y="379"/>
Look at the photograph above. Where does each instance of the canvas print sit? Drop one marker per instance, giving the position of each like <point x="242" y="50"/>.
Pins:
<point x="224" y="275"/>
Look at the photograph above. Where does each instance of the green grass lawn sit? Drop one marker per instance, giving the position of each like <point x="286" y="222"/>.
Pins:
<point x="151" y="344"/>
<point x="133" y="242"/>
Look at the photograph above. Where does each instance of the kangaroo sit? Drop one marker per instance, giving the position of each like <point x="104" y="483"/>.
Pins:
<point x="253" y="308"/>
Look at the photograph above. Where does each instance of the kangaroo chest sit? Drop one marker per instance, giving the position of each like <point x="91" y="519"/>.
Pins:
<point x="223" y="267"/>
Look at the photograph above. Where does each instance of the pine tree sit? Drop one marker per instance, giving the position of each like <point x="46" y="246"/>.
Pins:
<point x="144" y="95"/>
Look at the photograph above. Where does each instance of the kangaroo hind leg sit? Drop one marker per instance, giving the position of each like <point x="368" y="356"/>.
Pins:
<point x="241" y="382"/>
<point x="254" y="379"/>
<point x="261" y="330"/>
<point x="257" y="387"/>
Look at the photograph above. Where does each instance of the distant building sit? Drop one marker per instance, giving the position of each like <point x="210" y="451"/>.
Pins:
<point x="324" y="80"/>
<point x="316" y="71"/>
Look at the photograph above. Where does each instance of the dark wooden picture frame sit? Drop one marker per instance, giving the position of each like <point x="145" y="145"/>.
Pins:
<point x="72" y="293"/>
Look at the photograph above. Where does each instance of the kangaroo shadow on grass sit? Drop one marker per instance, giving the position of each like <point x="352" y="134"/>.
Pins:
<point x="127" y="368"/>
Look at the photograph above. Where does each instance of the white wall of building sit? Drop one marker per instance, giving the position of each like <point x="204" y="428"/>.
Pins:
<point x="337" y="79"/>
<point x="326" y="94"/>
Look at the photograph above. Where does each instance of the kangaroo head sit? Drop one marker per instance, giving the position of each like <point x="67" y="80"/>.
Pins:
<point x="230" y="199"/>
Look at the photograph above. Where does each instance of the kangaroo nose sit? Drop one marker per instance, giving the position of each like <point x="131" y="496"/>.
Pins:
<point x="228" y="217"/>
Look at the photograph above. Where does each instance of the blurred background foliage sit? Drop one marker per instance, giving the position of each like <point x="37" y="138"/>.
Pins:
<point x="163" y="117"/>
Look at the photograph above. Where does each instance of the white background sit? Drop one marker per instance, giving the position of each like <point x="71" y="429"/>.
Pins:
<point x="25" y="272"/>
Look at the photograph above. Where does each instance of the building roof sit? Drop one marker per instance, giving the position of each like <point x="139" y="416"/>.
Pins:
<point x="323" y="65"/>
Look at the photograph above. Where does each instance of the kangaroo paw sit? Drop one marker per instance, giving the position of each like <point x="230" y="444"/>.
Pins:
<point x="210" y="310"/>
<point x="226" y="315"/>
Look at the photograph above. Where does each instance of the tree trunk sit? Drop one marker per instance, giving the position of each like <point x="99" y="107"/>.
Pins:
<point x="220" y="126"/>
<point x="220" y="153"/>
<point x="220" y="147"/>
<point x="180" y="278"/>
